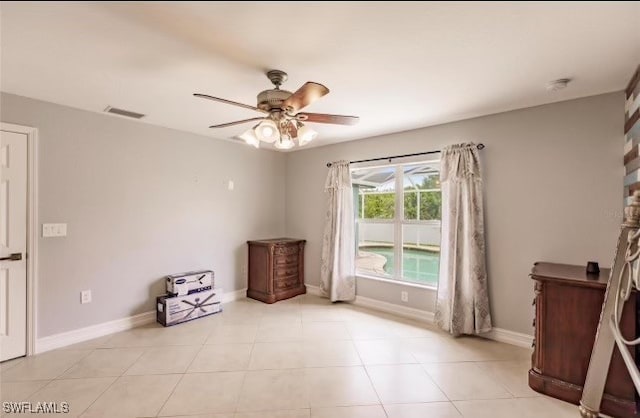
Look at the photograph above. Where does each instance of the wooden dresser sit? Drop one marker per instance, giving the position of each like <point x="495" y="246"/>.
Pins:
<point x="568" y="304"/>
<point x="276" y="269"/>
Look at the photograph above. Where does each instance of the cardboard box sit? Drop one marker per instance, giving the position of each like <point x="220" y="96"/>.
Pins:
<point x="172" y="310"/>
<point x="190" y="282"/>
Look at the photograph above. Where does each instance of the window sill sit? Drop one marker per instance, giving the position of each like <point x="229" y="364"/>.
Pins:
<point x="396" y="282"/>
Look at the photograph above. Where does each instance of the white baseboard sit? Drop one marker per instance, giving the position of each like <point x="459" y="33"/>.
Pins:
<point x="235" y="295"/>
<point x="386" y="307"/>
<point x="313" y="290"/>
<point x="94" y="331"/>
<point x="510" y="337"/>
<point x="392" y="308"/>
<point x="496" y="334"/>
<point x="75" y="336"/>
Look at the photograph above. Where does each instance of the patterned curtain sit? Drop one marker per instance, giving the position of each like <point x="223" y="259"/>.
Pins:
<point x="337" y="270"/>
<point x="463" y="302"/>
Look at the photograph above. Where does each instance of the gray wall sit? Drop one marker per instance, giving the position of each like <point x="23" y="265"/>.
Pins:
<point x="140" y="202"/>
<point x="553" y="192"/>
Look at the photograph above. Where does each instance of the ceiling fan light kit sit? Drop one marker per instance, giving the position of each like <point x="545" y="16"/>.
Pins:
<point x="283" y="123"/>
<point x="267" y="131"/>
<point x="250" y="138"/>
<point x="305" y="134"/>
<point x="284" y="142"/>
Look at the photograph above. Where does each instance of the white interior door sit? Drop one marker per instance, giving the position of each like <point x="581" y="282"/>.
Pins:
<point x="13" y="245"/>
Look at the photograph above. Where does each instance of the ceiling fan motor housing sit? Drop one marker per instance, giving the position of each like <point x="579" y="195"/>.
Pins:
<point x="272" y="99"/>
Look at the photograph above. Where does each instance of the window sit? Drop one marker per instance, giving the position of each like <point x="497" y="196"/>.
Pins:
<point x="398" y="210"/>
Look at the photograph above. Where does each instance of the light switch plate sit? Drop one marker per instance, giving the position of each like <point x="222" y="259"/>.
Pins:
<point x="54" y="230"/>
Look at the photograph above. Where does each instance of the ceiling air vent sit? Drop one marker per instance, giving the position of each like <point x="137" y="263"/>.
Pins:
<point x="122" y="112"/>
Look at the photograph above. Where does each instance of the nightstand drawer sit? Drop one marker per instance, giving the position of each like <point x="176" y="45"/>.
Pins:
<point x="283" y="270"/>
<point x="286" y="250"/>
<point x="286" y="259"/>
<point x="288" y="282"/>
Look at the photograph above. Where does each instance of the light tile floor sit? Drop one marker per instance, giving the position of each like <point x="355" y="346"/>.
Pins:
<point x="298" y="358"/>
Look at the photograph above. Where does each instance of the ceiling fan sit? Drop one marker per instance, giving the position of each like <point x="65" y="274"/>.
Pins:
<point x="282" y="123"/>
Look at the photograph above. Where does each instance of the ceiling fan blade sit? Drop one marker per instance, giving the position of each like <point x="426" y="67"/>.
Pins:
<point x="324" y="118"/>
<point x="217" y="99"/>
<point x="238" y="122"/>
<point x="304" y="96"/>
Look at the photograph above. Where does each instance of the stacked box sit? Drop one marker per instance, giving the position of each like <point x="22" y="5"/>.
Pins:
<point x="189" y="296"/>
<point x="190" y="282"/>
<point x="172" y="310"/>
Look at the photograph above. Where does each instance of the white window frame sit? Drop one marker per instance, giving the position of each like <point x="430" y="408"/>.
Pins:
<point x="398" y="223"/>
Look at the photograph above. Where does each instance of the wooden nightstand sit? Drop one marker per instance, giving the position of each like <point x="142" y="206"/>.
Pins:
<point x="276" y="269"/>
<point x="568" y="304"/>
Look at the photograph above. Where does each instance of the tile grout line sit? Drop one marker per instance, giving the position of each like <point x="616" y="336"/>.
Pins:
<point x="91" y="351"/>
<point x="202" y="346"/>
<point x="367" y="373"/>
<point x="144" y="350"/>
<point x="114" y="380"/>
<point x="265" y="316"/>
<point x="34" y="393"/>
<point x="15" y="362"/>
<point x="457" y="409"/>
<point x="170" y="394"/>
<point x="76" y="362"/>
<point x="244" y="377"/>
<point x="98" y="397"/>
<point x="495" y="378"/>
<point x="434" y="382"/>
<point x="512" y="397"/>
<point x="260" y="324"/>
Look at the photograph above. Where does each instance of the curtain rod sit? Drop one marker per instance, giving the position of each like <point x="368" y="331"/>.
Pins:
<point x="480" y="146"/>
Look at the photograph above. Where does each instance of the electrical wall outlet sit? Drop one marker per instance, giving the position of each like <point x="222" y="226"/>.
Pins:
<point x="404" y="296"/>
<point x="54" y="230"/>
<point x="243" y="271"/>
<point x="230" y="185"/>
<point x="85" y="296"/>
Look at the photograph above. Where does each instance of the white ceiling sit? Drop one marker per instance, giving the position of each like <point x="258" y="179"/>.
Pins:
<point x="397" y="65"/>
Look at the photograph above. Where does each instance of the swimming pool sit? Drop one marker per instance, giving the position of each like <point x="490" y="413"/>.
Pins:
<point x="418" y="265"/>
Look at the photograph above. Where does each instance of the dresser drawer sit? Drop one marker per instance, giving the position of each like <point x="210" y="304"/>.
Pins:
<point x="286" y="259"/>
<point x="283" y="283"/>
<point x="286" y="250"/>
<point x="283" y="270"/>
